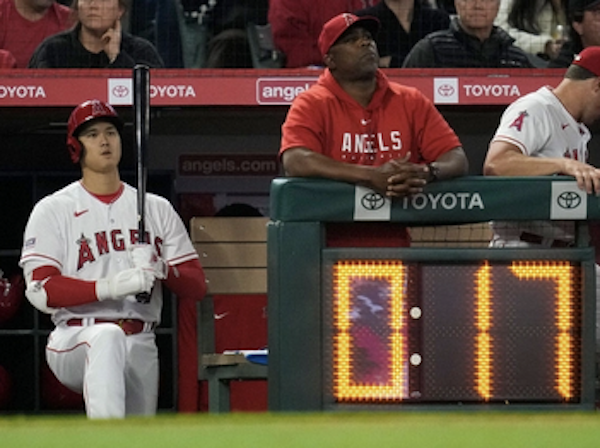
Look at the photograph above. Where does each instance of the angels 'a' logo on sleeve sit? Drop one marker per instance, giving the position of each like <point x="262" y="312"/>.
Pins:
<point x="518" y="123"/>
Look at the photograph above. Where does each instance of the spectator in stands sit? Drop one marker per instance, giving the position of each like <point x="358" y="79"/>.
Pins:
<point x="584" y="18"/>
<point x="24" y="24"/>
<point x="471" y="41"/>
<point x="158" y="22"/>
<point x="296" y="25"/>
<point x="538" y="26"/>
<point x="356" y="126"/>
<point x="7" y="60"/>
<point x="97" y="41"/>
<point x="228" y="46"/>
<point x="403" y="24"/>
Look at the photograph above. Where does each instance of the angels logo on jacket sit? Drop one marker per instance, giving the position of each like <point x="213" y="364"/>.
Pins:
<point x="518" y="123"/>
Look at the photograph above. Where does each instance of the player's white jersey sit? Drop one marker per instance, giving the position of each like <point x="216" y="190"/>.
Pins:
<point x="88" y="239"/>
<point x="540" y="126"/>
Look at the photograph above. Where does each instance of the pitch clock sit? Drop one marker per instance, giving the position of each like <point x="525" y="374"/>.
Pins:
<point x="481" y="331"/>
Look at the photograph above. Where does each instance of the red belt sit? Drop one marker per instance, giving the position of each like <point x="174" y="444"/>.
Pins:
<point x="537" y="239"/>
<point x="129" y="326"/>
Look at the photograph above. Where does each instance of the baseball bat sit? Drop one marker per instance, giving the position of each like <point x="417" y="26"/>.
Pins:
<point x="141" y="107"/>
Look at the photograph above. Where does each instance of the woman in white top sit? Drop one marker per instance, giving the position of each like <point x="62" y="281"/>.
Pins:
<point x="538" y="26"/>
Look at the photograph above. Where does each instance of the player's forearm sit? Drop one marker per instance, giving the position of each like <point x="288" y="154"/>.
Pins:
<point x="523" y="166"/>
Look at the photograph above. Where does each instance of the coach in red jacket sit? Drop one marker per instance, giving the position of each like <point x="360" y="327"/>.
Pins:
<point x="356" y="126"/>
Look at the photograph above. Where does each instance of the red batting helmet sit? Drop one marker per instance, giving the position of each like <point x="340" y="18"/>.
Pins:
<point x="85" y="112"/>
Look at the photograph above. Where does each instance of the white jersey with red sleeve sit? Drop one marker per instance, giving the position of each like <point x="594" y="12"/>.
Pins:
<point x="540" y="126"/>
<point x="88" y="239"/>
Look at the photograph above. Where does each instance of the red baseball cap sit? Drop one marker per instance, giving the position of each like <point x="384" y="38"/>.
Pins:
<point x="335" y="27"/>
<point x="589" y="59"/>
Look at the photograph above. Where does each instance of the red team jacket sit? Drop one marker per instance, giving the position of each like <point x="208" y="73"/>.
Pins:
<point x="399" y="119"/>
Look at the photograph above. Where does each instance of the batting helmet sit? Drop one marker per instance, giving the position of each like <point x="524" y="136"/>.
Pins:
<point x="84" y="113"/>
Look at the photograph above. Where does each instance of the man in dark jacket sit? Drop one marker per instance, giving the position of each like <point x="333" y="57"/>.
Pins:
<point x="471" y="41"/>
<point x="403" y="24"/>
<point x="97" y="41"/>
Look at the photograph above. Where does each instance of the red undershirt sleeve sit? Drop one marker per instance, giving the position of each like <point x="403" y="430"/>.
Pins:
<point x="65" y="291"/>
<point x="186" y="280"/>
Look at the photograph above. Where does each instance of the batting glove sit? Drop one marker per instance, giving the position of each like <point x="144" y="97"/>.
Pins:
<point x="144" y="256"/>
<point x="125" y="283"/>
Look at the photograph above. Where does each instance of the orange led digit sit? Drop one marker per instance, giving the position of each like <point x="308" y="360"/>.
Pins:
<point x="346" y="388"/>
<point x="562" y="274"/>
<point x="483" y="344"/>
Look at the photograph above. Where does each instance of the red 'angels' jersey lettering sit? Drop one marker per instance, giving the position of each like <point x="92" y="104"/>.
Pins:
<point x="104" y="245"/>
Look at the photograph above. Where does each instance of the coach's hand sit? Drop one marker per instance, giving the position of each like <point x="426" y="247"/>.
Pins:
<point x="125" y="283"/>
<point x="403" y="178"/>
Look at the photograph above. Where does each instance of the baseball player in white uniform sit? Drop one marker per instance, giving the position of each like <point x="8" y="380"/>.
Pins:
<point x="83" y="264"/>
<point x="545" y="133"/>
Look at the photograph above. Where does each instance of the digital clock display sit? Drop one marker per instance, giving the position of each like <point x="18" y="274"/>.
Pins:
<point x="479" y="331"/>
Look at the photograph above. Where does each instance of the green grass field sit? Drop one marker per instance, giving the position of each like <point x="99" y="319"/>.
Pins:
<point x="379" y="430"/>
